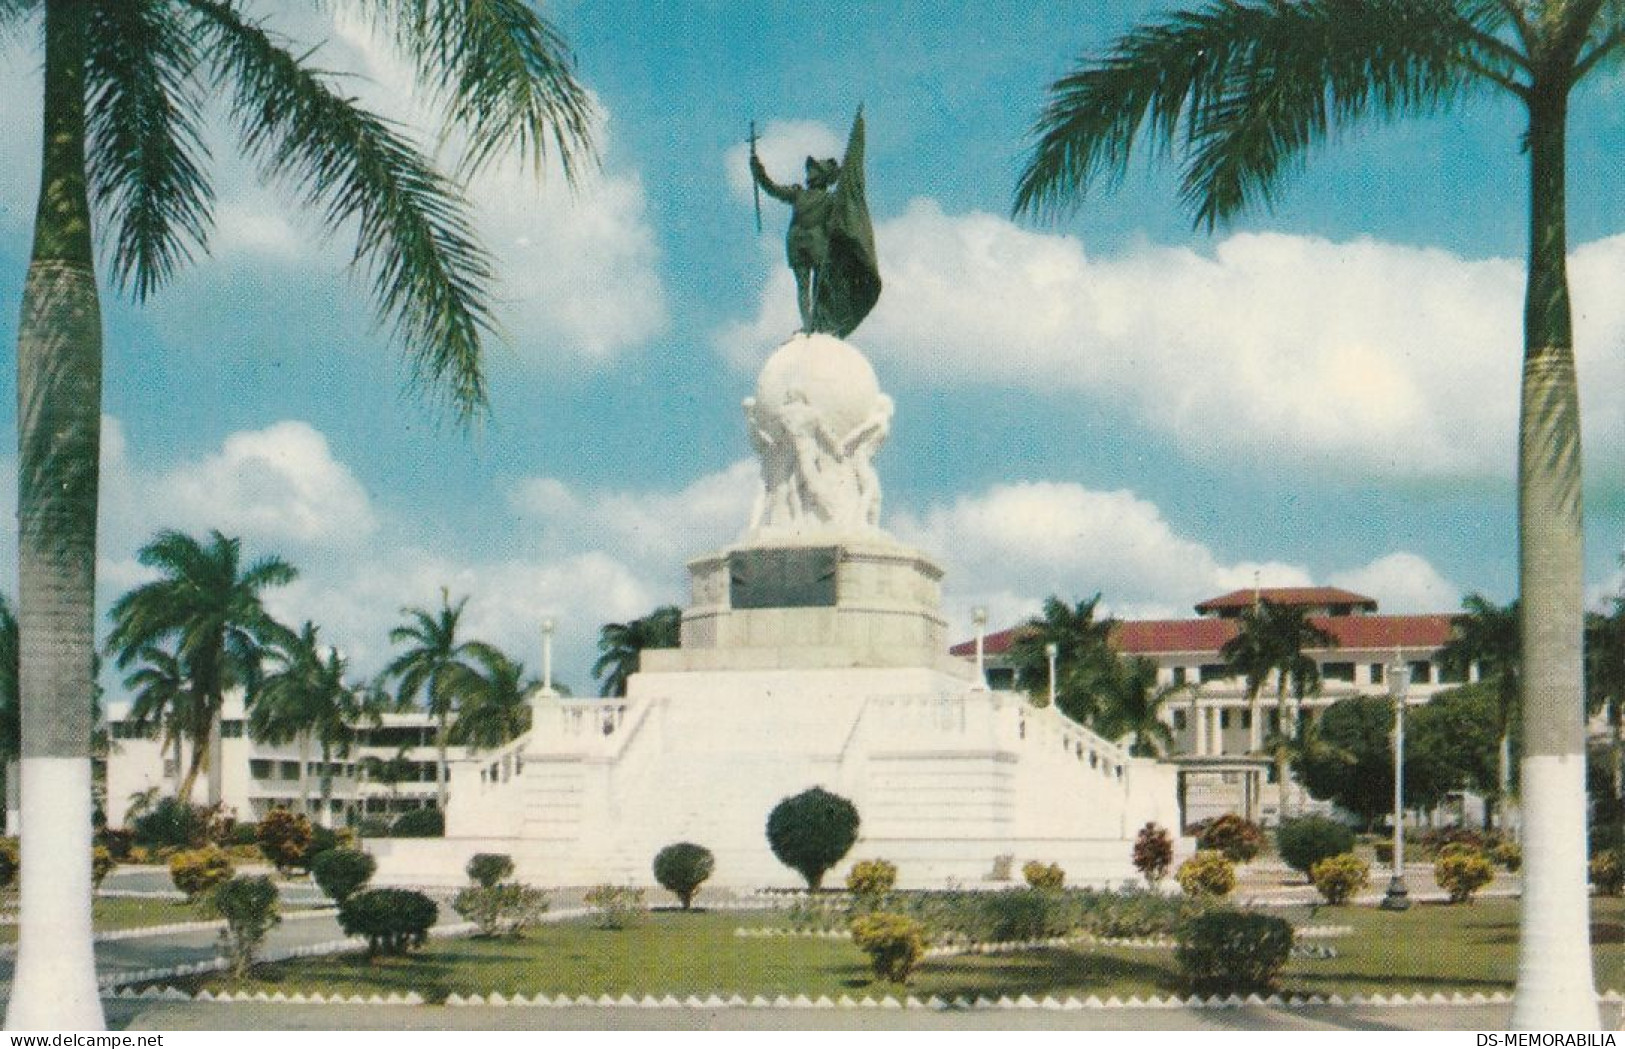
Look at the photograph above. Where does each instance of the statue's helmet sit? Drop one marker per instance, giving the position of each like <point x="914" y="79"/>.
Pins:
<point x="822" y="172"/>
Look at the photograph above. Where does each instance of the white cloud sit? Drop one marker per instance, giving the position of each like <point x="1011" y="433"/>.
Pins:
<point x="276" y="484"/>
<point x="1010" y="546"/>
<point x="1364" y="356"/>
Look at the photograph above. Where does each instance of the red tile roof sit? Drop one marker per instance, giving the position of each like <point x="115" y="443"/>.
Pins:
<point x="1207" y="636"/>
<point x="1315" y="596"/>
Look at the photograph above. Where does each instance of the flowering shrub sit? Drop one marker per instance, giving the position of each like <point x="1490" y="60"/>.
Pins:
<point x="1153" y="853"/>
<point x="1049" y="876"/>
<point x="872" y="878"/>
<point x="893" y="942"/>
<point x="1207" y="873"/>
<point x="1461" y="870"/>
<point x="1339" y="877"/>
<point x="196" y="871"/>
<point x="1240" y="839"/>
<point x="285" y="839"/>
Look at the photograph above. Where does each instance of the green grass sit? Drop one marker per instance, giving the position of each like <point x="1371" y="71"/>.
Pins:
<point x="1429" y="948"/>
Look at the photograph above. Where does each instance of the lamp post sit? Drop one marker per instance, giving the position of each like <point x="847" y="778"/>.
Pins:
<point x="978" y="616"/>
<point x="1052" y="650"/>
<point x="547" y="656"/>
<point x="1399" y="679"/>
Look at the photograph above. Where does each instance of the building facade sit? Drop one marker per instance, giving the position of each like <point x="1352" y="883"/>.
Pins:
<point x="1218" y="732"/>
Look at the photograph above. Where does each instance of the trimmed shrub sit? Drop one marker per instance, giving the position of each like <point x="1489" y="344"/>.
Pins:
<point x="101" y="864"/>
<point x="488" y="868"/>
<point x="243" y="834"/>
<point x="615" y="906"/>
<point x="871" y="879"/>
<point x="1153" y="853"/>
<point x="1438" y="839"/>
<point x="341" y="872"/>
<point x="322" y="839"/>
<point x="1461" y="870"/>
<point x="893" y="942"/>
<point x="811" y="832"/>
<point x="1508" y="854"/>
<point x="1305" y="841"/>
<point x="1339" y="877"/>
<point x="1607" y="873"/>
<point x="11" y="861"/>
<point x="393" y="920"/>
<point x="196" y="871"/>
<point x="420" y="823"/>
<point x="1018" y="916"/>
<point x="682" y="868"/>
<point x="1239" y="838"/>
<point x="117" y="842"/>
<point x="1207" y="873"/>
<point x="284" y="838"/>
<point x="172" y="822"/>
<point x="373" y="827"/>
<point x="1225" y="952"/>
<point x="249" y="906"/>
<point x="1049" y="876"/>
<point x="501" y="910"/>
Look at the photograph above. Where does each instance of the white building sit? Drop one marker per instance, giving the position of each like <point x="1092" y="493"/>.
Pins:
<point x="1217" y="741"/>
<point x="257" y="777"/>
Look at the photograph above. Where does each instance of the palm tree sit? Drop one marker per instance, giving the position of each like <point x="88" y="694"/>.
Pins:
<point x="1488" y="634"/>
<point x="496" y="708"/>
<point x="1273" y="638"/>
<point x="1241" y="89"/>
<point x="207" y="606"/>
<point x="1081" y="654"/>
<point x="391" y="772"/>
<point x="306" y="698"/>
<point x="1132" y="706"/>
<point x="620" y="646"/>
<point x="125" y="88"/>
<point x="10" y="712"/>
<point x="162" y="694"/>
<point x="434" y="669"/>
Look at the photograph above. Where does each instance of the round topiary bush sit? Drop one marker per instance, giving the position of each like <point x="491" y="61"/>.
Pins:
<point x="1461" y="870"/>
<point x="682" y="868"/>
<point x="1305" y="841"/>
<point x="1607" y="873"/>
<point x="871" y="879"/>
<point x="1050" y="877"/>
<point x="893" y="942"/>
<point x="393" y="920"/>
<point x="1153" y="853"/>
<point x="1207" y="873"/>
<point x="1226" y="952"/>
<point x="196" y="871"/>
<point x="1240" y="839"/>
<point x="285" y="839"/>
<point x="811" y="832"/>
<point x="1340" y="877"/>
<point x="420" y="823"/>
<point x="501" y="910"/>
<point x="340" y="872"/>
<point x="488" y="868"/>
<point x="250" y="909"/>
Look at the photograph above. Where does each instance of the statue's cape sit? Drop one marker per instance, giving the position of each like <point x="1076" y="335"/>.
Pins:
<point x="849" y="286"/>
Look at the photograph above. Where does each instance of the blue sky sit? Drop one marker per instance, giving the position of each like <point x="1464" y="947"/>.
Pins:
<point x="1114" y="402"/>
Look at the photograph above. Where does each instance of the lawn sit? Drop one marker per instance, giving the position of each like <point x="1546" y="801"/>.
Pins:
<point x="1430" y="948"/>
<point x="130" y="912"/>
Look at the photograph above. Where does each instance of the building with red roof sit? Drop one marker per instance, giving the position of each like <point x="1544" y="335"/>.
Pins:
<point x="1218" y="732"/>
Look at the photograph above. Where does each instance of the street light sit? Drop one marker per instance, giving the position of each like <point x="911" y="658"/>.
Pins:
<point x="1052" y="650"/>
<point x="1399" y="680"/>
<point x="979" y="617"/>
<point x="547" y="657"/>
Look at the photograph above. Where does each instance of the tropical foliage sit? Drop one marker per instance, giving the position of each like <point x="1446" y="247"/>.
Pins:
<point x="495" y="705"/>
<point x="621" y="645"/>
<point x="1082" y="655"/>
<point x="1489" y="635"/>
<point x="434" y="668"/>
<point x="206" y="608"/>
<point x="1240" y="91"/>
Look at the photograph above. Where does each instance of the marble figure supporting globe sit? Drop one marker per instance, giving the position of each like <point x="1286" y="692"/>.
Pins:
<point x="817" y="420"/>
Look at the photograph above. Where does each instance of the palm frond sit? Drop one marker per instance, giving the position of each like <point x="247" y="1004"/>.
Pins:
<point x="413" y="235"/>
<point x="502" y="73"/>
<point x="14" y="14"/>
<point x="143" y="150"/>
<point x="1242" y="88"/>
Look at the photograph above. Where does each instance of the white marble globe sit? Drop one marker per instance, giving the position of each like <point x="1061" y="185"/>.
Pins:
<point x="830" y="375"/>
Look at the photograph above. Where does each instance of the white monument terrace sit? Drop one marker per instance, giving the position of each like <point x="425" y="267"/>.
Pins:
<point x="813" y="654"/>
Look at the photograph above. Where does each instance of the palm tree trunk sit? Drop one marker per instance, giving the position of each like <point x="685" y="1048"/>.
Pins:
<point x="1280" y="749"/>
<point x="327" y="785"/>
<point x="440" y="766"/>
<point x="199" y="762"/>
<point x="1556" y="986"/>
<point x="59" y="432"/>
<point x="304" y="774"/>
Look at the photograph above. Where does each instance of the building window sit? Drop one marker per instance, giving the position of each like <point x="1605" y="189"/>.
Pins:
<point x="1453" y="673"/>
<point x="1337" y="672"/>
<point x="1421" y="672"/>
<point x="290" y="769"/>
<point x="1214" y="672"/>
<point x="1179" y="721"/>
<point x="1377" y="671"/>
<point x="1179" y="675"/>
<point x="259" y="768"/>
<point x="1247" y="719"/>
<point x="1224" y="719"/>
<point x="1274" y="721"/>
<point x="232" y="729"/>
